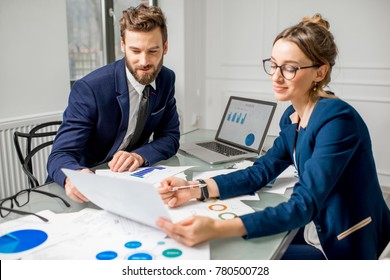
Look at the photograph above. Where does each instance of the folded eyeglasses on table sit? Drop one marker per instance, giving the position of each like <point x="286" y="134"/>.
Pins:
<point x="22" y="198"/>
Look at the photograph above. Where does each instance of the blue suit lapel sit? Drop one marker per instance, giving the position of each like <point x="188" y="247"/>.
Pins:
<point x="152" y="100"/>
<point x="122" y="92"/>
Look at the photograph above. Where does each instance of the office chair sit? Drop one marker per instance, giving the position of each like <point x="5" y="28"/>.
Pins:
<point x="34" y="142"/>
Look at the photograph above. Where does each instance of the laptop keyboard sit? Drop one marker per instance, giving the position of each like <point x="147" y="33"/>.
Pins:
<point x="222" y="149"/>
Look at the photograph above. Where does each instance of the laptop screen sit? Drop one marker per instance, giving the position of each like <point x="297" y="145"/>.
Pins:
<point x="245" y="123"/>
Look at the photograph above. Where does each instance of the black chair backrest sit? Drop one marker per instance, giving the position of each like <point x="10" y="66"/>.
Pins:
<point x="26" y="158"/>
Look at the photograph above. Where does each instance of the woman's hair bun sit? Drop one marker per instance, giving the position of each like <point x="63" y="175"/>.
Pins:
<point x="316" y="19"/>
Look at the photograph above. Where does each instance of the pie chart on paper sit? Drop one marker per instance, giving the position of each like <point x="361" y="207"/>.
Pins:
<point x="21" y="240"/>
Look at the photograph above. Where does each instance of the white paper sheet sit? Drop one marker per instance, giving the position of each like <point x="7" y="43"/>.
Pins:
<point x="152" y="174"/>
<point x="100" y="247"/>
<point x="212" y="173"/>
<point x="92" y="234"/>
<point x="285" y="180"/>
<point x="61" y="227"/>
<point x="217" y="209"/>
<point x="135" y="200"/>
<point x="98" y="234"/>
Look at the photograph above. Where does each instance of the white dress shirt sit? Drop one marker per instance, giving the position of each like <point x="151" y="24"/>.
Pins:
<point x="134" y="99"/>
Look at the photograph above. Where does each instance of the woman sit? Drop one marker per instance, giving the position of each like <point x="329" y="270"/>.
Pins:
<point x="329" y="144"/>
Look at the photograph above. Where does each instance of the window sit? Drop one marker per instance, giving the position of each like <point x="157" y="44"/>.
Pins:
<point x="93" y="33"/>
<point x="85" y="37"/>
<point x="119" y="6"/>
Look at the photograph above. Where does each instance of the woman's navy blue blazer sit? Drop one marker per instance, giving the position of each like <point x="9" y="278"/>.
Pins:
<point x="338" y="186"/>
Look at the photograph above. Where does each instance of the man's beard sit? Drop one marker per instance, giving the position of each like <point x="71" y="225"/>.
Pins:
<point x="145" y="78"/>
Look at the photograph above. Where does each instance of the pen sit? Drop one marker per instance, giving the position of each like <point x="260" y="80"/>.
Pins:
<point x="184" y="187"/>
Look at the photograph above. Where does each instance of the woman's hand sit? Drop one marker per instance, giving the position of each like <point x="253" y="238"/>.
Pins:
<point x="175" y="198"/>
<point x="190" y="231"/>
<point x="197" y="229"/>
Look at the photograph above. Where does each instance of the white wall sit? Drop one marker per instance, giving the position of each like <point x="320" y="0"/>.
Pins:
<point x="174" y="59"/>
<point x="186" y="39"/>
<point x="34" y="70"/>
<point x="239" y="35"/>
<point x="215" y="48"/>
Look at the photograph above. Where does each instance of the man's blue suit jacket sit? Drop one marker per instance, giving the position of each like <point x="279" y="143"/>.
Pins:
<point x="96" y="120"/>
<point x="338" y="187"/>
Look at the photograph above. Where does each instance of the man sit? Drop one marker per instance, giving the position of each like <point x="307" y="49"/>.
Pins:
<point x="104" y="120"/>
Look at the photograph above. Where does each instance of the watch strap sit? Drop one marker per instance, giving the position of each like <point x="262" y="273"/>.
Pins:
<point x="204" y="192"/>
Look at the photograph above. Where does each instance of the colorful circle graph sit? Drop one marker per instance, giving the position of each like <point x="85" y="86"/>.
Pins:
<point x="21" y="240"/>
<point x="137" y="251"/>
<point x="250" y="139"/>
<point x="217" y="207"/>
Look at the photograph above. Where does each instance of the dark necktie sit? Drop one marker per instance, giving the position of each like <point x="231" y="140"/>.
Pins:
<point x="141" y="119"/>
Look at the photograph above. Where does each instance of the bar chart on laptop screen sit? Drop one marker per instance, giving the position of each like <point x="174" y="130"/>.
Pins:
<point x="245" y="123"/>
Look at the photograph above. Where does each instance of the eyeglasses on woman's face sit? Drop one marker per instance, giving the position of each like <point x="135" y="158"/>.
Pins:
<point x="288" y="71"/>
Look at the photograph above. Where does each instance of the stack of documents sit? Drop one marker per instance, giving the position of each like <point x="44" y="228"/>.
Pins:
<point x="139" y="200"/>
<point x="91" y="234"/>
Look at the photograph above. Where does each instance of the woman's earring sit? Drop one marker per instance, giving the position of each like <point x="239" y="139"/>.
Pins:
<point x="315" y="87"/>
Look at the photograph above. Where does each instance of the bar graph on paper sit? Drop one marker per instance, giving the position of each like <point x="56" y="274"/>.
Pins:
<point x="152" y="174"/>
<point x="147" y="172"/>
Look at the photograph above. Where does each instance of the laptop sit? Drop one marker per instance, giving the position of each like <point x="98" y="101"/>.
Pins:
<point x="241" y="133"/>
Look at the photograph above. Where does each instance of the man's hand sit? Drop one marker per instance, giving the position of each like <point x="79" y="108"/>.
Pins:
<point x="125" y="161"/>
<point x="72" y="191"/>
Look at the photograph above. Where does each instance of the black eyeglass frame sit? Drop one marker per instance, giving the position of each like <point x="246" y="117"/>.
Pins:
<point x="14" y="198"/>
<point x="21" y="213"/>
<point x="296" y="68"/>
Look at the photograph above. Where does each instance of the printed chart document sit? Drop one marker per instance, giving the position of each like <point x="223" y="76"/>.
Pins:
<point x="152" y="174"/>
<point x="135" y="200"/>
<point x="214" y="208"/>
<point x="217" y="209"/>
<point x="141" y="202"/>
<point x="29" y="233"/>
<point x="90" y="234"/>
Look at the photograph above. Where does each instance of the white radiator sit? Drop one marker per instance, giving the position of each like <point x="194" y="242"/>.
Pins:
<point x="13" y="179"/>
